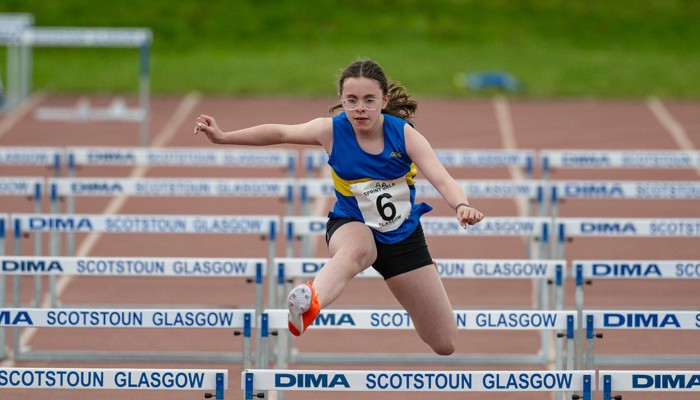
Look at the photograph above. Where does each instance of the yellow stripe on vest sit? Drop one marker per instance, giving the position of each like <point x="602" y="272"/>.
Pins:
<point x="342" y="186"/>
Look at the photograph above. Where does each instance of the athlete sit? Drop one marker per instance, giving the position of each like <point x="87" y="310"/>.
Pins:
<point x="374" y="154"/>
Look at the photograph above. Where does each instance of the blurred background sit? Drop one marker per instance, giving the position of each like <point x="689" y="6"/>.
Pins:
<point x="554" y="48"/>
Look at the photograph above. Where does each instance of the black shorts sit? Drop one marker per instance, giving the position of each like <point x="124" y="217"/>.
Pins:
<point x="393" y="259"/>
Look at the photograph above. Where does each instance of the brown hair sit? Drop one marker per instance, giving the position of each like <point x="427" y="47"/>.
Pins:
<point x="400" y="103"/>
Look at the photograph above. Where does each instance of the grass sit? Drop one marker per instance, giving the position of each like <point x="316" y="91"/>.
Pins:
<point x="619" y="49"/>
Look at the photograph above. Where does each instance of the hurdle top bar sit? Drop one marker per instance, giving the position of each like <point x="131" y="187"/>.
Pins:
<point x="87" y="37"/>
<point x="383" y="319"/>
<point x="39" y="156"/>
<point x="453" y="158"/>
<point x="114" y="378"/>
<point x="642" y="159"/>
<point x="641" y="319"/>
<point x="503" y="188"/>
<point x="293" y="267"/>
<point x="179" y="157"/>
<point x="627" y="227"/>
<point x="22" y="186"/>
<point x="440" y="226"/>
<point x="437" y="381"/>
<point x="12" y="25"/>
<point x="636" y="269"/>
<point x="639" y="190"/>
<point x="239" y="224"/>
<point x="134" y="266"/>
<point x="648" y="381"/>
<point x="127" y="318"/>
<point x="191" y="187"/>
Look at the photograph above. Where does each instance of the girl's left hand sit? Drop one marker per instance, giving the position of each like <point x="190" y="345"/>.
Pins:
<point x="468" y="216"/>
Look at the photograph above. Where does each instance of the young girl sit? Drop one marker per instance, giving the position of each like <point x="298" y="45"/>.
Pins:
<point x="374" y="155"/>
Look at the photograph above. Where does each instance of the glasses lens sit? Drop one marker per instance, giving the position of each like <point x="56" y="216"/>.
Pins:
<point x="370" y="103"/>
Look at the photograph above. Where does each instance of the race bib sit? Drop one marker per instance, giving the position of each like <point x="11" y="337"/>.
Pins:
<point x="384" y="204"/>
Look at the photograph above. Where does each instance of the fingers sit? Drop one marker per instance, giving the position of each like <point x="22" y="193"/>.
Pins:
<point x="202" y="123"/>
<point x="470" y="216"/>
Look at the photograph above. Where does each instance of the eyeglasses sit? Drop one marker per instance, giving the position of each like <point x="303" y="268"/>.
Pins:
<point x="369" y="103"/>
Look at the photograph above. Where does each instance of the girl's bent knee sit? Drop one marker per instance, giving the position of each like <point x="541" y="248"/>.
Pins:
<point x="445" y="347"/>
<point x="444" y="350"/>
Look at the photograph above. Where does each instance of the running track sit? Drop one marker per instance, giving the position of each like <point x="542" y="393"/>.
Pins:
<point x="463" y="124"/>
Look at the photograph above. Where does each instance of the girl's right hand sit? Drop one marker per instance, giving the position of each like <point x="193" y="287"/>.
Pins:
<point x="208" y="126"/>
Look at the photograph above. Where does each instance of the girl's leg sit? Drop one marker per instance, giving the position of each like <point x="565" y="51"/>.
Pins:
<point x="422" y="294"/>
<point x="352" y="250"/>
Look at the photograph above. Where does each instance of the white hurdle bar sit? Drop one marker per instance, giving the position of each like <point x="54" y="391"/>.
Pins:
<point x="620" y="190"/>
<point x="255" y="381"/>
<point x="535" y="228"/>
<point x="132" y="319"/>
<point x="392" y="319"/>
<point x="116" y="378"/>
<point x="595" y="320"/>
<point x="611" y="382"/>
<point x="452" y="158"/>
<point x="610" y="159"/>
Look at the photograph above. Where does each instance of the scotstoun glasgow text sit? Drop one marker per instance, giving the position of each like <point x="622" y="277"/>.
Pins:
<point x="82" y="379"/>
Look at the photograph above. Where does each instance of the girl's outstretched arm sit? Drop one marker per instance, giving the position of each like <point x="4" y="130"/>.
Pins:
<point x="314" y="132"/>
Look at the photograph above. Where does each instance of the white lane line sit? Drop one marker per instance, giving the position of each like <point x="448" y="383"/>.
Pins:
<point x="507" y="131"/>
<point x="16" y="115"/>
<point x="164" y="136"/>
<point x="672" y="126"/>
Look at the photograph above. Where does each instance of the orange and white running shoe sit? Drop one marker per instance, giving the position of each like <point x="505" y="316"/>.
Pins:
<point x="303" y="308"/>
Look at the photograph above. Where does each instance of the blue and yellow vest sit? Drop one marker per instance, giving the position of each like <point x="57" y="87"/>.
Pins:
<point x="356" y="172"/>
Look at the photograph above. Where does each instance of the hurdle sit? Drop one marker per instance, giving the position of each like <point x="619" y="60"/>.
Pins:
<point x="451" y="158"/>
<point x="48" y="157"/>
<point x="140" y="38"/>
<point x="11" y="27"/>
<point x="255" y="382"/>
<point x="265" y="225"/>
<point x="551" y="160"/>
<point x="454" y="158"/>
<point x="250" y="269"/>
<point x="533" y="228"/>
<point x="531" y="191"/>
<point x="570" y="228"/>
<point x="622" y="190"/>
<point x="289" y="269"/>
<point x="585" y="271"/>
<point x="284" y="159"/>
<point x="612" y="382"/>
<point x="238" y="319"/>
<point x="71" y="188"/>
<point x="639" y="320"/>
<point x="393" y="319"/>
<point x="536" y="228"/>
<point x="116" y="378"/>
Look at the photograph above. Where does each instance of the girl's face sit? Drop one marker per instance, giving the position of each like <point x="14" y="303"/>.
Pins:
<point x="363" y="102"/>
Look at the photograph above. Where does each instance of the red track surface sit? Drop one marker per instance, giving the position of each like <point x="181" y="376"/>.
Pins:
<point x="537" y="125"/>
